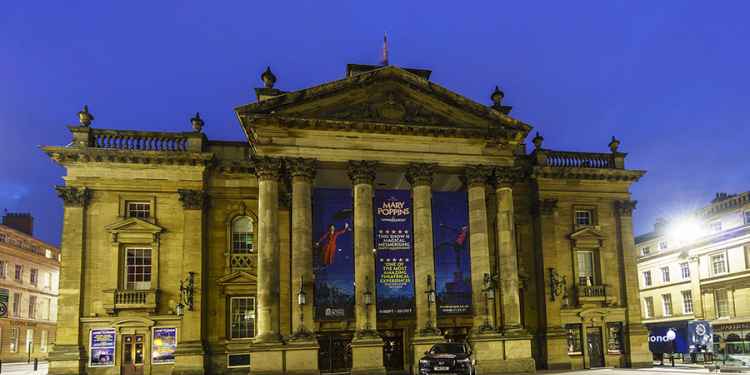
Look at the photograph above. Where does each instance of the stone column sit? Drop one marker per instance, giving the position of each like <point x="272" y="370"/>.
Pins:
<point x="302" y="351"/>
<point x="267" y="351"/>
<point x="506" y="245"/>
<point x="476" y="180"/>
<point x="67" y="356"/>
<point x="189" y="356"/>
<point x="367" y="346"/>
<point x="636" y="334"/>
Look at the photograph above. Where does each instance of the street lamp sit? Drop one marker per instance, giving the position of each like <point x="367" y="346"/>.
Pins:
<point x="429" y="328"/>
<point x="187" y="288"/>
<point x="302" y="332"/>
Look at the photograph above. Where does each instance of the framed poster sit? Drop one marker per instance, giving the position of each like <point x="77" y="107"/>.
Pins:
<point x="102" y="343"/>
<point x="163" y="345"/>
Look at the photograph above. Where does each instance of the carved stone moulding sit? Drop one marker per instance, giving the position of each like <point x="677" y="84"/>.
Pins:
<point x="73" y="196"/>
<point x="362" y="171"/>
<point x="302" y="167"/>
<point x="268" y="168"/>
<point x="193" y="199"/>
<point x="509" y="175"/>
<point x="420" y="173"/>
<point x="63" y="155"/>
<point x="625" y="207"/>
<point x="476" y="174"/>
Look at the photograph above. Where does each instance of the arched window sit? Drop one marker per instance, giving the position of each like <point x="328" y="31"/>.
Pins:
<point x="242" y="235"/>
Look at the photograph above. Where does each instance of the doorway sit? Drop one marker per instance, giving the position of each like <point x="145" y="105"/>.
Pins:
<point x="594" y="342"/>
<point x="132" y="355"/>
<point x="335" y="353"/>
<point x="393" y="350"/>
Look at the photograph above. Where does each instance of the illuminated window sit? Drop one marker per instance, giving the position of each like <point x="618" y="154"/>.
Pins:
<point x="138" y="268"/>
<point x="585" y="267"/>
<point x="718" y="264"/>
<point x="667" y="304"/>
<point x="687" y="302"/>
<point x="614" y="338"/>
<point x="648" y="307"/>
<point x="242" y="235"/>
<point x="665" y="274"/>
<point x="722" y="303"/>
<point x="242" y="317"/>
<point x="647" y="278"/>
<point x="575" y="344"/>
<point x="584" y="217"/>
<point x="685" y="270"/>
<point x="139" y="209"/>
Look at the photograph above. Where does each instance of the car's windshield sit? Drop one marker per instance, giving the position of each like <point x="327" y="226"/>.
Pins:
<point x="451" y="348"/>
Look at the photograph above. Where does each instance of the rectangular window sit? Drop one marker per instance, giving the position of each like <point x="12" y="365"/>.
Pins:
<point x="647" y="278"/>
<point x="614" y="338"/>
<point x="687" y="302"/>
<point x="13" y="345"/>
<point x="648" y="307"/>
<point x="685" y="270"/>
<point x="18" y="275"/>
<point x="43" y="342"/>
<point x="665" y="274"/>
<point x="3" y="268"/>
<point x="242" y="319"/>
<point x="747" y="217"/>
<point x="48" y="280"/>
<point x="48" y="253"/>
<point x="138" y="268"/>
<point x="646" y="250"/>
<point x="29" y="340"/>
<point x="138" y="209"/>
<point x="715" y="227"/>
<point x="718" y="264"/>
<point x="32" y="307"/>
<point x="34" y="277"/>
<point x="722" y="303"/>
<point x="667" y="304"/>
<point x="16" y="304"/>
<point x="575" y="344"/>
<point x="584" y="217"/>
<point x="662" y="245"/>
<point x="585" y="267"/>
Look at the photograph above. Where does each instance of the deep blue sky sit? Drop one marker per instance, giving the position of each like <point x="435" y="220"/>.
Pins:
<point x="669" y="78"/>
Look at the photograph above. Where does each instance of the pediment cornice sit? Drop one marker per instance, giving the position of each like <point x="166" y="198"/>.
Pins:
<point x="133" y="225"/>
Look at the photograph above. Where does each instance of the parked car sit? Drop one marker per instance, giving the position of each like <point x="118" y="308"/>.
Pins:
<point x="444" y="358"/>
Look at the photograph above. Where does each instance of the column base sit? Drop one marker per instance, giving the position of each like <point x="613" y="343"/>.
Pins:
<point x="421" y="344"/>
<point x="189" y="358"/>
<point x="638" y="354"/>
<point x="267" y="358"/>
<point x="66" y="360"/>
<point x="367" y="354"/>
<point x="496" y="353"/>
<point x="302" y="357"/>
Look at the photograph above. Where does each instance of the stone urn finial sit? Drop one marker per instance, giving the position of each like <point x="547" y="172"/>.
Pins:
<point x="497" y="97"/>
<point x="269" y="79"/>
<point x="614" y="144"/>
<point x="197" y="122"/>
<point x="84" y="117"/>
<point x="538" y="139"/>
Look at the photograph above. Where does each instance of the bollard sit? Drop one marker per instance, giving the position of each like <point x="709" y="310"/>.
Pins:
<point x="36" y="364"/>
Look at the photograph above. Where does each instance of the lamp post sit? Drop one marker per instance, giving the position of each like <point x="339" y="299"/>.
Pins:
<point x="187" y="288"/>
<point x="489" y="294"/>
<point x="429" y="328"/>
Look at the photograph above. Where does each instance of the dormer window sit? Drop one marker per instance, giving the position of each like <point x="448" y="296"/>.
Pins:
<point x="138" y="209"/>
<point x="584" y="217"/>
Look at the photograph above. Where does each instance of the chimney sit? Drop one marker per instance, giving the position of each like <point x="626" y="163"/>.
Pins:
<point x="20" y="221"/>
<point x="661" y="225"/>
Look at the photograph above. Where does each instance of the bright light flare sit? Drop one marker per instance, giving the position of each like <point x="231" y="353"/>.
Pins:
<point x="684" y="230"/>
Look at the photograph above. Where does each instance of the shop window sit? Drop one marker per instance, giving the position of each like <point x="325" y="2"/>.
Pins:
<point x="685" y="270"/>
<point x="575" y="344"/>
<point x="614" y="338"/>
<point x="647" y="278"/>
<point x="138" y="209"/>
<point x="665" y="274"/>
<point x="13" y="340"/>
<point x="721" y="297"/>
<point x="138" y="268"/>
<point x="687" y="302"/>
<point x="242" y="317"/>
<point x="718" y="264"/>
<point x="667" y="304"/>
<point x="648" y="307"/>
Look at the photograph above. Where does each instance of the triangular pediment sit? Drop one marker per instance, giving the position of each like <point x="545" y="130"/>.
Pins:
<point x="133" y="225"/>
<point x="587" y="232"/>
<point x="388" y="95"/>
<point x="237" y="278"/>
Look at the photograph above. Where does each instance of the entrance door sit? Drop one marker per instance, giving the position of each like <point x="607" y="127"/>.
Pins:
<point x="132" y="355"/>
<point x="335" y="353"/>
<point x="393" y="350"/>
<point x="594" y="342"/>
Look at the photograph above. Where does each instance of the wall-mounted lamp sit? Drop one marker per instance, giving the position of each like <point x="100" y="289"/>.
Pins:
<point x="302" y="331"/>
<point x="187" y="288"/>
<point x="429" y="328"/>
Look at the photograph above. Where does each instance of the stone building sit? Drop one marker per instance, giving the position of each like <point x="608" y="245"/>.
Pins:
<point x="29" y="277"/>
<point x="273" y="255"/>
<point x="699" y="268"/>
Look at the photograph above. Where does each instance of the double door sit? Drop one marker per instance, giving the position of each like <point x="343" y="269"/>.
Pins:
<point x="133" y="347"/>
<point x="335" y="353"/>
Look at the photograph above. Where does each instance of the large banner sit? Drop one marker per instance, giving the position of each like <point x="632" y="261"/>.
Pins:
<point x="333" y="255"/>
<point x="102" y="344"/>
<point x="450" y="228"/>
<point x="164" y="345"/>
<point x="394" y="266"/>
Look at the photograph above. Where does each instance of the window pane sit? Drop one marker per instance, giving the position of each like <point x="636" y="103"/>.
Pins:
<point x="242" y="317"/>
<point x="138" y="268"/>
<point x="242" y="235"/>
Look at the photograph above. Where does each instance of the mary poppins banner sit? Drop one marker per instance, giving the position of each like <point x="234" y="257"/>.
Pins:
<point x="394" y="266"/>
<point x="450" y="228"/>
<point x="333" y="254"/>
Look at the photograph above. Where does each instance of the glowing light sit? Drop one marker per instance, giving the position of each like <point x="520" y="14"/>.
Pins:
<point x="684" y="230"/>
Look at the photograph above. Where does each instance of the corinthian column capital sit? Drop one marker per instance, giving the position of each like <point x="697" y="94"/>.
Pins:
<point x="302" y="167"/>
<point x="477" y="174"/>
<point x="508" y="175"/>
<point x="268" y="168"/>
<point x="420" y="173"/>
<point x="73" y="196"/>
<point x="362" y="171"/>
<point x="625" y="208"/>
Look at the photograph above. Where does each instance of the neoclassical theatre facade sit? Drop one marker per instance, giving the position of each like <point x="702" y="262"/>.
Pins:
<point x="362" y="221"/>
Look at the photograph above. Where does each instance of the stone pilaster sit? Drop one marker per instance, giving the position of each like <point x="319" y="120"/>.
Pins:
<point x="695" y="286"/>
<point x="367" y="346"/>
<point x="636" y="335"/>
<point x="506" y="245"/>
<point x="484" y="310"/>
<point x="302" y="351"/>
<point x="190" y="353"/>
<point x="420" y="176"/>
<point x="67" y="356"/>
